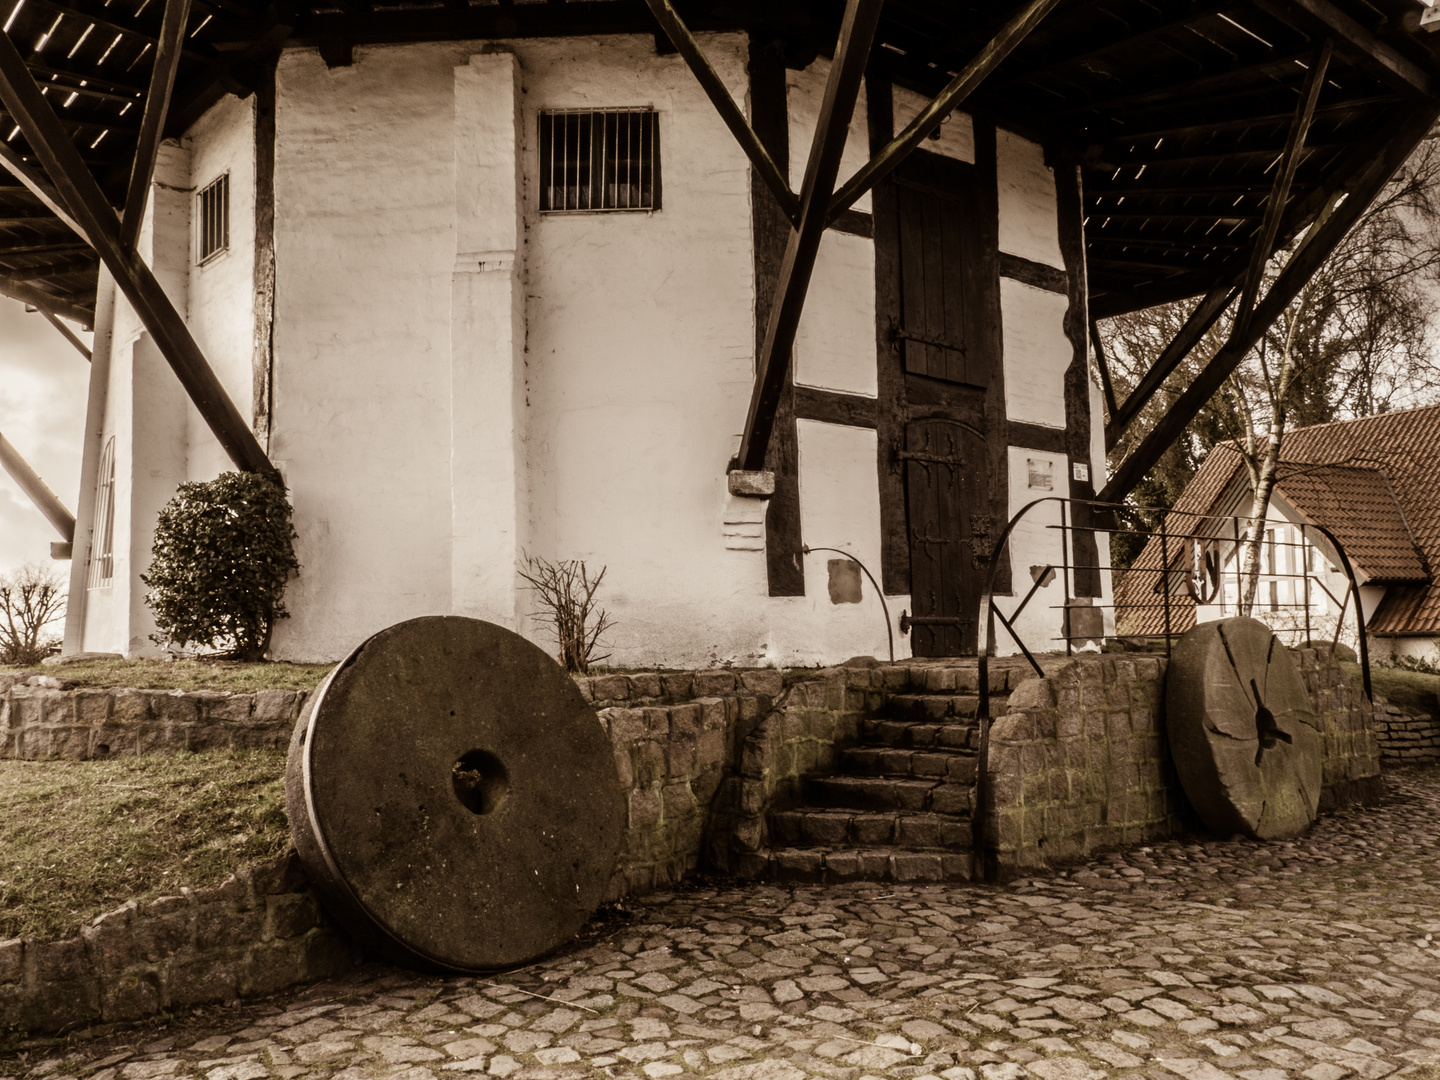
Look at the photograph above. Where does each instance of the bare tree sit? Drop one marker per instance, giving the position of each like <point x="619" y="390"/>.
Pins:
<point x="1357" y="340"/>
<point x="31" y="599"/>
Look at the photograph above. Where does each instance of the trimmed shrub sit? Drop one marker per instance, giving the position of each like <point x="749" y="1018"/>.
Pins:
<point x="223" y="552"/>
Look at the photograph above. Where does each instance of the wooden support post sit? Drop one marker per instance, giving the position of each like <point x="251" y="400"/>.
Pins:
<point x="958" y="89"/>
<point x="719" y="96"/>
<point x="1389" y="153"/>
<point x="28" y="107"/>
<point x="152" y="124"/>
<point x="1280" y="193"/>
<point x="852" y="53"/>
<point x="31" y="484"/>
<point x="66" y="332"/>
<point x="1205" y="315"/>
<point x="15" y="165"/>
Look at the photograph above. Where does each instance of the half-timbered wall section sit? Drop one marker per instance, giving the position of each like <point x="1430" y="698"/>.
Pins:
<point x="351" y="272"/>
<point x="455" y="380"/>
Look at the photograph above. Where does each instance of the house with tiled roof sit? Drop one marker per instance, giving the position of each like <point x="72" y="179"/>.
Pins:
<point x="1369" y="488"/>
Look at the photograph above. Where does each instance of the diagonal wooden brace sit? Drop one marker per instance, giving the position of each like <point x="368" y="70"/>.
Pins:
<point x="152" y="125"/>
<point x="959" y="88"/>
<point x="39" y="493"/>
<point x="715" y="89"/>
<point x="847" y="71"/>
<point x="83" y="197"/>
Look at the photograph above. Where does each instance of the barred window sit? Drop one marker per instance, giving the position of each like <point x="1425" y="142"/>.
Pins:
<point x="213" y="219"/>
<point x="102" y="529"/>
<point x="594" y="160"/>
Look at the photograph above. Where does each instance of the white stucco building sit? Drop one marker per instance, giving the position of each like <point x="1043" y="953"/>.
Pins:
<point x="454" y="367"/>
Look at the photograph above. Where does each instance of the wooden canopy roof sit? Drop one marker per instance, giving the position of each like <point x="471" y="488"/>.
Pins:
<point x="1178" y="110"/>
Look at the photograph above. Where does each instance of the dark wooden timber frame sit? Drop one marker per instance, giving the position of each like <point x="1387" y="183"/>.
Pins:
<point x="152" y="124"/>
<point x="1375" y="172"/>
<point x="87" y="203"/>
<point x="39" y="493"/>
<point x="1218" y="82"/>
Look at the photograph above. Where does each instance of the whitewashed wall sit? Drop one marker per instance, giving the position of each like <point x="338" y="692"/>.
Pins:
<point x="460" y="381"/>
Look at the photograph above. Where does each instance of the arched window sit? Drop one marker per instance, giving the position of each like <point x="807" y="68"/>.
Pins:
<point x="102" y="530"/>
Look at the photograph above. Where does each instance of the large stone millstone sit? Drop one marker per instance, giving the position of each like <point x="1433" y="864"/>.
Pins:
<point x="453" y="798"/>
<point x="1243" y="736"/>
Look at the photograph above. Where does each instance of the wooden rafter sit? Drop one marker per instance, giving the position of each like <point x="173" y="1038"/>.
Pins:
<point x="152" y="125"/>
<point x="1389" y="153"/>
<point x="960" y="87"/>
<point x="80" y="192"/>
<point x="715" y="89"/>
<point x="1103" y="363"/>
<point x="1380" y="61"/>
<point x="842" y="89"/>
<point x="1284" y="175"/>
<point x="27" y="293"/>
<point x="38" y="186"/>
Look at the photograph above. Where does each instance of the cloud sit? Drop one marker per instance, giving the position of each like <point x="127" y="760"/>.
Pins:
<point x="43" y="385"/>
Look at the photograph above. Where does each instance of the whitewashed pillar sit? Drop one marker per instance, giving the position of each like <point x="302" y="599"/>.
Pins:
<point x="487" y="343"/>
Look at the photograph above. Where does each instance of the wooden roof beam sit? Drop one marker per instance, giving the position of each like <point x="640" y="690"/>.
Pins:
<point x="39" y="493"/>
<point x="1388" y="153"/>
<point x="822" y="169"/>
<point x="715" y="89"/>
<point x="38" y="186"/>
<point x="1358" y="45"/>
<point x="1280" y="196"/>
<point x="959" y="88"/>
<point x="27" y="293"/>
<point x="152" y="124"/>
<point x="80" y="192"/>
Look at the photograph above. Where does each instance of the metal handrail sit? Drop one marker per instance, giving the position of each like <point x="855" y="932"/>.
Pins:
<point x="990" y="611"/>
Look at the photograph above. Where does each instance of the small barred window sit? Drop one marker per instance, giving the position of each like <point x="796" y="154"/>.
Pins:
<point x="594" y="160"/>
<point x="214" y="219"/>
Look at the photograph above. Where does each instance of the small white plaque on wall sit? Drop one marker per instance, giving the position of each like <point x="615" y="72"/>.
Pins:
<point x="1081" y="471"/>
<point x="1040" y="473"/>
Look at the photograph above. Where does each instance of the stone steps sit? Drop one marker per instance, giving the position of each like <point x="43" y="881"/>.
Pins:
<point x="954" y="735"/>
<point x="888" y="793"/>
<point x="938" y="763"/>
<point x="811" y="827"/>
<point x="825" y="865"/>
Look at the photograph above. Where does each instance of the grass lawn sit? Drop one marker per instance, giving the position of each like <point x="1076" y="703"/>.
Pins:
<point x="1413" y="691"/>
<point x="185" y="674"/>
<point x="78" y="838"/>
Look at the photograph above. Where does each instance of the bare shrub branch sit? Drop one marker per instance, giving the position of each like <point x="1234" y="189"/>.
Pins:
<point x="567" y="596"/>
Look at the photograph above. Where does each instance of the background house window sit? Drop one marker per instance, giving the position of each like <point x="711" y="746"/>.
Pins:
<point x="214" y="219"/>
<point x="599" y="160"/>
<point x="102" y="529"/>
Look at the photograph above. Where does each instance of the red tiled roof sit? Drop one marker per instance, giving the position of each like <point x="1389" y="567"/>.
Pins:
<point x="1357" y="505"/>
<point x="1402" y="446"/>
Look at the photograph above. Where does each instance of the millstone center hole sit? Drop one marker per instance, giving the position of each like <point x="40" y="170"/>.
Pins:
<point x="1267" y="731"/>
<point x="481" y="781"/>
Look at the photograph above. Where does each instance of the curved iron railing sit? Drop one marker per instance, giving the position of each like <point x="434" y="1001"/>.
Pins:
<point x="1202" y="583"/>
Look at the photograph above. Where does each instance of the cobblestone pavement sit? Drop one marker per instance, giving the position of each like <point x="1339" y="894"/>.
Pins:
<point x="1202" y="960"/>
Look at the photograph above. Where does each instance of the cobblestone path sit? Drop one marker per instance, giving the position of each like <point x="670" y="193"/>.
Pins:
<point x="1199" y="960"/>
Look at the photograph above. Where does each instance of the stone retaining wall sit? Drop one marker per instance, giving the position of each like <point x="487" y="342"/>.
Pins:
<point x="254" y="934"/>
<point x="1081" y="762"/>
<point x="1406" y="737"/>
<point x="45" y="717"/>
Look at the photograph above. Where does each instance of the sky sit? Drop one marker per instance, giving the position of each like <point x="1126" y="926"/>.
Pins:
<point x="43" y="384"/>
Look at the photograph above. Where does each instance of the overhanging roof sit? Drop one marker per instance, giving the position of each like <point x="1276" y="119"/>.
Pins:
<point x="1178" y="110"/>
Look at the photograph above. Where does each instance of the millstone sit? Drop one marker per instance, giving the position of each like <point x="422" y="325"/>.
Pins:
<point x="1243" y="736"/>
<point x="453" y="798"/>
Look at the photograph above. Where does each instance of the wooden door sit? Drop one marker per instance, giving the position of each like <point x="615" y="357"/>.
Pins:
<point x="947" y="503"/>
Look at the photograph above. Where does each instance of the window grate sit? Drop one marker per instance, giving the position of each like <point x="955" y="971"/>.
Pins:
<point x="214" y="217"/>
<point x="102" y="531"/>
<point x="593" y="160"/>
